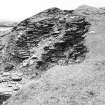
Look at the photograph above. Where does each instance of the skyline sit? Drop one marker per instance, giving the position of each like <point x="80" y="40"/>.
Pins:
<point x="18" y="10"/>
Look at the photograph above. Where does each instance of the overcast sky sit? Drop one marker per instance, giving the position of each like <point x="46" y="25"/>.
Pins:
<point x="17" y="10"/>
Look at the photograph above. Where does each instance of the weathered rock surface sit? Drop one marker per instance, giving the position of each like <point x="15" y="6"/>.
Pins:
<point x="59" y="37"/>
<point x="57" y="58"/>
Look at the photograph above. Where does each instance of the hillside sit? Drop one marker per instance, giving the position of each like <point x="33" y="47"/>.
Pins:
<point x="55" y="57"/>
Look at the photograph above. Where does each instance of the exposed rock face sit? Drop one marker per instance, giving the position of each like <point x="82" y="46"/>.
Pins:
<point x="57" y="37"/>
<point x="68" y="46"/>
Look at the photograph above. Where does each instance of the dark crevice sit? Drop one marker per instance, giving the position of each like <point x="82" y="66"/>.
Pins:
<point x="4" y="97"/>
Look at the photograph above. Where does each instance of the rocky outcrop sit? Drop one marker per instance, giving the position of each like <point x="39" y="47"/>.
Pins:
<point x="52" y="37"/>
<point x="58" y="38"/>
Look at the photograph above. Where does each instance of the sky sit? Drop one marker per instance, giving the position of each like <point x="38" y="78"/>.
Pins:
<point x="18" y="10"/>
